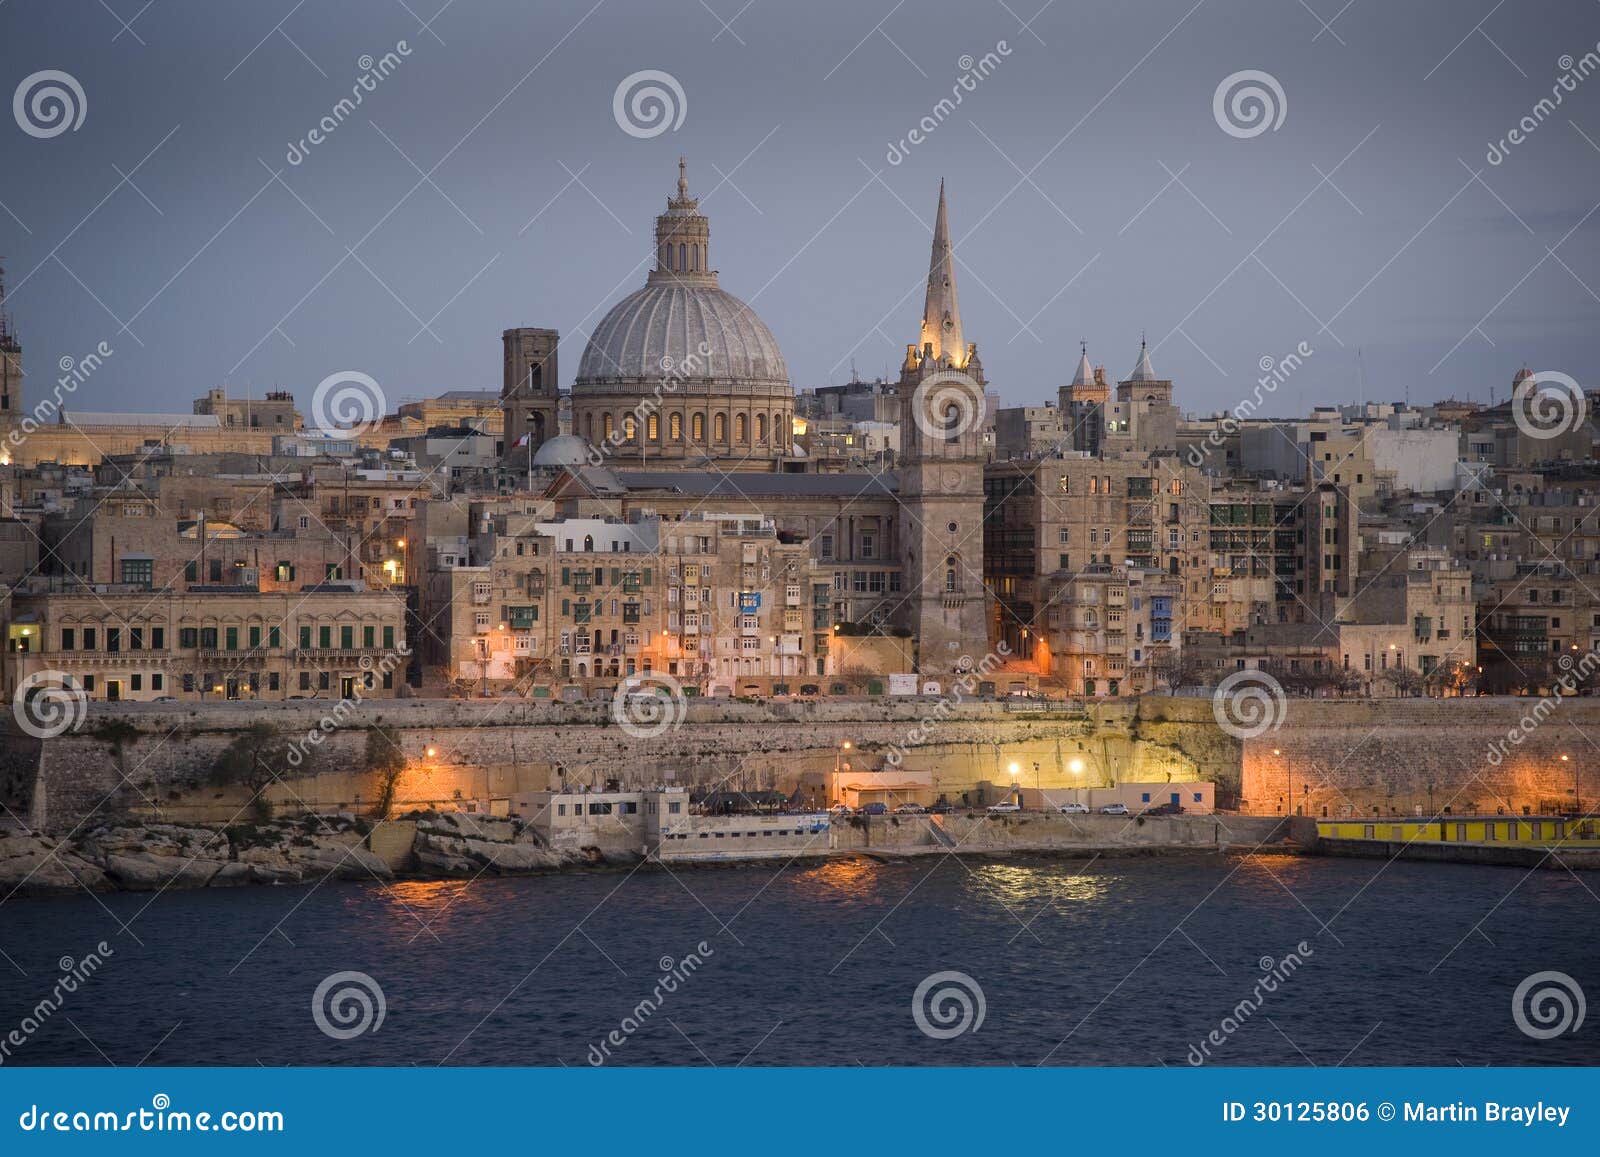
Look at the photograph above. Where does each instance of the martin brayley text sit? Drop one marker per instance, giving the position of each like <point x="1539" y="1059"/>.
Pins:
<point x="1538" y="1113"/>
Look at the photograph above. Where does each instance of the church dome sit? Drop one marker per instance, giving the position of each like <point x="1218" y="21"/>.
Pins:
<point x="564" y="450"/>
<point x="678" y="327"/>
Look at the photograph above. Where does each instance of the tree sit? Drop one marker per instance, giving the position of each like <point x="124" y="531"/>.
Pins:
<point x="1452" y="677"/>
<point x="1177" y="670"/>
<point x="1406" y="681"/>
<point x="386" y="761"/>
<point x="257" y="758"/>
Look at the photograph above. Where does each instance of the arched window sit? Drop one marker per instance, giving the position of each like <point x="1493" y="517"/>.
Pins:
<point x="675" y="427"/>
<point x="588" y="427"/>
<point x="629" y="429"/>
<point x="761" y="427"/>
<point x="951" y="583"/>
<point x="652" y="428"/>
<point x="698" y="426"/>
<point x="741" y="428"/>
<point x="588" y="544"/>
<point x="682" y="264"/>
<point x="605" y="426"/>
<point x="719" y="427"/>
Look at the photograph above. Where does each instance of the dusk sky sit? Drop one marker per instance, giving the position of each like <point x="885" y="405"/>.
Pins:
<point x="1093" y="193"/>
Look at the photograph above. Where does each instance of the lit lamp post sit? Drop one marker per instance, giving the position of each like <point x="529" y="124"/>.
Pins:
<point x="838" y="766"/>
<point x="1014" y="769"/>
<point x="1577" y="801"/>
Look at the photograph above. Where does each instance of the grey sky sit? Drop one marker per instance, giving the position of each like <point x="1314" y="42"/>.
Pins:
<point x="226" y="277"/>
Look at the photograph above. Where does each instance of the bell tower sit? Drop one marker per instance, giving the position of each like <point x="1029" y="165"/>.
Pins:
<point x="942" y="415"/>
<point x="528" y="394"/>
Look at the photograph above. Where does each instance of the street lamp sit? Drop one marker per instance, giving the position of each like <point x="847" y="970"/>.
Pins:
<point x="1289" y="767"/>
<point x="1577" y="801"/>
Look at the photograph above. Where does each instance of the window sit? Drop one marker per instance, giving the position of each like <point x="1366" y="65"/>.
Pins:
<point x="140" y="571"/>
<point x="158" y="638"/>
<point x="67" y="638"/>
<point x="88" y="639"/>
<point x="231" y="635"/>
<point x="1064" y="536"/>
<point x="347" y="638"/>
<point x="113" y="638"/>
<point x="325" y="638"/>
<point x="157" y="682"/>
<point x="188" y="638"/>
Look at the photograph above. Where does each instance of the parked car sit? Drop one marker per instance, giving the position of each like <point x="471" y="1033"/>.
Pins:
<point x="940" y="809"/>
<point x="1073" y="809"/>
<point x="1163" y="809"/>
<point x="910" y="809"/>
<point x="165" y="699"/>
<point x="1114" y="809"/>
<point x="875" y="809"/>
<point x="839" y="809"/>
<point x="998" y="808"/>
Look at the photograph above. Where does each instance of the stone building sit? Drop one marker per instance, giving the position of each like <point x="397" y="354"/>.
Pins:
<point x="126" y="641"/>
<point x="716" y="601"/>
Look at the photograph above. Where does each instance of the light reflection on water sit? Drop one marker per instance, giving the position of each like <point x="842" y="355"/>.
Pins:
<point x="1082" y="961"/>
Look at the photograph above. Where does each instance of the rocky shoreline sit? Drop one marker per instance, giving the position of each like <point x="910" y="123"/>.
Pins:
<point x="150" y="857"/>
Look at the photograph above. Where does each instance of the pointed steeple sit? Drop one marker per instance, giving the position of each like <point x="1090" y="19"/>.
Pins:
<point x="1085" y="374"/>
<point x="1143" y="371"/>
<point x="941" y="315"/>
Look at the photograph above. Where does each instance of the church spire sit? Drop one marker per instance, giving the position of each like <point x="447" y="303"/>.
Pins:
<point x="941" y="315"/>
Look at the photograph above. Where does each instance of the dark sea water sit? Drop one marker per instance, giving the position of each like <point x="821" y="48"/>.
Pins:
<point x="1104" y="962"/>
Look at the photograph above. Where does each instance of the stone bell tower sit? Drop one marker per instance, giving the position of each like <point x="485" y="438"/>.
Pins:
<point x="942" y="414"/>
<point x="10" y="361"/>
<point x="528" y="394"/>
